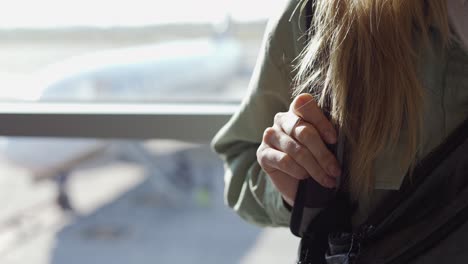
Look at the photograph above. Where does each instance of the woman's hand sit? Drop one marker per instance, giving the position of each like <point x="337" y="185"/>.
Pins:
<point x="294" y="148"/>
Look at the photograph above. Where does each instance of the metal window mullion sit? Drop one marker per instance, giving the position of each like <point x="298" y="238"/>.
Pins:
<point x="196" y="123"/>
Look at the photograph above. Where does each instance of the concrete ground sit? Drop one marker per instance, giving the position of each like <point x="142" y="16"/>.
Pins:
<point x="121" y="219"/>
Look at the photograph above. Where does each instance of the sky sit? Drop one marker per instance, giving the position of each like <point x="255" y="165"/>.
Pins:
<point x="108" y="13"/>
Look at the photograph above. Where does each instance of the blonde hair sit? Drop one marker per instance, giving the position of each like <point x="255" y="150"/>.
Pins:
<point x="362" y="62"/>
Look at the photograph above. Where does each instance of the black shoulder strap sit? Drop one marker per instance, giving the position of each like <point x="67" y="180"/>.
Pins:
<point x="395" y="241"/>
<point x="311" y="195"/>
<point x="421" y="171"/>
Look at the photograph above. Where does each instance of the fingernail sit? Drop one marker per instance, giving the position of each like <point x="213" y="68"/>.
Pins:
<point x="334" y="170"/>
<point x="331" y="138"/>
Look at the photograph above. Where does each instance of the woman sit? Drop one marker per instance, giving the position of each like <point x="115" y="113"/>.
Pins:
<point x="392" y="77"/>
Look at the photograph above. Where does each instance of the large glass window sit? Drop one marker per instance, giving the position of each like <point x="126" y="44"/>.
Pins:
<point x="108" y="107"/>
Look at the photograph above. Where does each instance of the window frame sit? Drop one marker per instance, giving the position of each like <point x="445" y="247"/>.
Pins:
<point x="194" y="122"/>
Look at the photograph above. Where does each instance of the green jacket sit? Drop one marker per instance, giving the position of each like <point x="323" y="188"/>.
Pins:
<point x="249" y="190"/>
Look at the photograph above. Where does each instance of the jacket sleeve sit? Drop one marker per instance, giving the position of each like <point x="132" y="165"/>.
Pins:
<point x="248" y="189"/>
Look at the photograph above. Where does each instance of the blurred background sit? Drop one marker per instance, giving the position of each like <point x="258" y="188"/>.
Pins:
<point x="92" y="200"/>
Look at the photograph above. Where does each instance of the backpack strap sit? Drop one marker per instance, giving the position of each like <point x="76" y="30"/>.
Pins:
<point x="309" y="194"/>
<point x="336" y="209"/>
<point x="394" y="241"/>
<point x="422" y="169"/>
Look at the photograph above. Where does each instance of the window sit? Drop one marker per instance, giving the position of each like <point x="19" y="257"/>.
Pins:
<point x="108" y="107"/>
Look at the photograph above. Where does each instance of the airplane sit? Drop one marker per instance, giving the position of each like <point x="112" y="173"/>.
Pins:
<point x="173" y="70"/>
<point x="177" y="69"/>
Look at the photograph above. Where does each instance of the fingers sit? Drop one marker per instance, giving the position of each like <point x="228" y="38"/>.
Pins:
<point x="284" y="182"/>
<point x="272" y="159"/>
<point x="307" y="135"/>
<point x="287" y="121"/>
<point x="305" y="106"/>
<point x="296" y="159"/>
<point x="294" y="148"/>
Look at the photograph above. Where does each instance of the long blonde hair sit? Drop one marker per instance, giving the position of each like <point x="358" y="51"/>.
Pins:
<point x="362" y="63"/>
